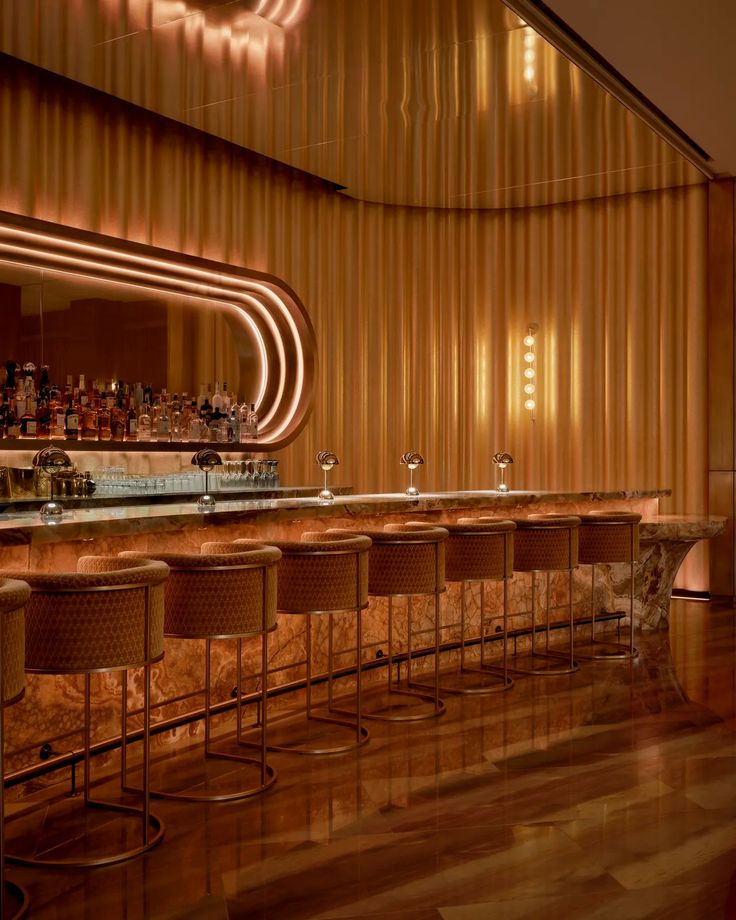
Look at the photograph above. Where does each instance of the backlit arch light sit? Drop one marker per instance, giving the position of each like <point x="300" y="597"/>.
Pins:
<point x="288" y="350"/>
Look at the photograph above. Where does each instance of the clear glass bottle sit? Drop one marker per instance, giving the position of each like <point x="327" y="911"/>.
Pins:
<point x="131" y="422"/>
<point x="144" y="423"/>
<point x="217" y="398"/>
<point x="244" y="412"/>
<point x="163" y="420"/>
<point x="253" y="423"/>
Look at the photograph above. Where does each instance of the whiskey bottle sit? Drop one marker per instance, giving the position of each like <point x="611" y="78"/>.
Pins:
<point x="104" y="419"/>
<point x="43" y="418"/>
<point x="71" y="421"/>
<point x="89" y="421"/>
<point x="28" y="422"/>
<point x="131" y="423"/>
<point x="118" y="418"/>
<point x="12" y="427"/>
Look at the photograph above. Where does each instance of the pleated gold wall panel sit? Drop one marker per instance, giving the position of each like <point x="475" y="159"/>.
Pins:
<point x="419" y="313"/>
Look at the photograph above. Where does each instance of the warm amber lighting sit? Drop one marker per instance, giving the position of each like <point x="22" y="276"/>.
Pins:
<point x="530" y="371"/>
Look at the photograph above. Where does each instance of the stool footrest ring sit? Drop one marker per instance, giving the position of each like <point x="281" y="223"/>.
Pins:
<point x="610" y="651"/>
<point x="504" y="682"/>
<point x="74" y="862"/>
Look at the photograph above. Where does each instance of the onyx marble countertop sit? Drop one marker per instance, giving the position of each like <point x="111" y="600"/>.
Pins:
<point x="22" y="527"/>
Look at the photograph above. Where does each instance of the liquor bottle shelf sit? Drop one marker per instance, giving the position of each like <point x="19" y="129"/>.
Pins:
<point x="34" y="444"/>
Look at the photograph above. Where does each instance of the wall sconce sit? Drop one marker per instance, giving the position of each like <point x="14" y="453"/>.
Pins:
<point x="502" y="460"/>
<point x="326" y="459"/>
<point x="51" y="460"/>
<point x="206" y="459"/>
<point x="412" y="459"/>
<point x="530" y="369"/>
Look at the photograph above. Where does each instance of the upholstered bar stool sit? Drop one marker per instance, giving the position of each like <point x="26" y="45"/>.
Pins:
<point x="223" y="595"/>
<point x="606" y="538"/>
<point x="321" y="575"/>
<point x="13" y="596"/>
<point x="547" y="543"/>
<point x="107" y="616"/>
<point x="408" y="561"/>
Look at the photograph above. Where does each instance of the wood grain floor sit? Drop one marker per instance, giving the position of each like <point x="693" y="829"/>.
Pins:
<point x="610" y="793"/>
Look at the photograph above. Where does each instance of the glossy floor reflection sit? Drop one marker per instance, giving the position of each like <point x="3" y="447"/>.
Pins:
<point x="610" y="793"/>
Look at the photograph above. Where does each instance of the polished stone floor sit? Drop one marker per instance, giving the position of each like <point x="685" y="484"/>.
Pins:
<point x="610" y="793"/>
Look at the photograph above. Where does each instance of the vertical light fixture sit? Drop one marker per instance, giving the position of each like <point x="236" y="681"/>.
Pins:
<point x="530" y="370"/>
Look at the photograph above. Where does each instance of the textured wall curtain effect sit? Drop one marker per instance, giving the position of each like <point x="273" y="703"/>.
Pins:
<point x="419" y="313"/>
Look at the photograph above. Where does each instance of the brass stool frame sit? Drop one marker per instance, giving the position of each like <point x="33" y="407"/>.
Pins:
<point x="332" y="715"/>
<point x="612" y="651"/>
<point x="437" y="703"/>
<point x="267" y="773"/>
<point x="572" y="666"/>
<point x="18" y="892"/>
<point x="149" y="819"/>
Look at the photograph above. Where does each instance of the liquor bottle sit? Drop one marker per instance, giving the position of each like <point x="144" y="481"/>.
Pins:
<point x="162" y="430"/>
<point x="226" y="398"/>
<point x="233" y="423"/>
<point x="71" y="421"/>
<point x="3" y="416"/>
<point x="202" y="396"/>
<point x="244" y="412"/>
<point x="28" y="422"/>
<point x="10" y="383"/>
<point x="104" y="419"/>
<point x="253" y="423"/>
<point x="43" y="419"/>
<point x="217" y="399"/>
<point x="44" y="386"/>
<point x="205" y="412"/>
<point x="88" y="420"/>
<point x="138" y="394"/>
<point x="12" y="427"/>
<point x="131" y="422"/>
<point x="144" y="423"/>
<point x="186" y="418"/>
<point x="196" y="425"/>
<point x="118" y="418"/>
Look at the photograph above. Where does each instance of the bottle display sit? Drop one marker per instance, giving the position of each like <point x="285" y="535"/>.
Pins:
<point x="33" y="406"/>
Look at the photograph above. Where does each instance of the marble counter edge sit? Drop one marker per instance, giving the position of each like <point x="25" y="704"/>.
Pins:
<point x="80" y="524"/>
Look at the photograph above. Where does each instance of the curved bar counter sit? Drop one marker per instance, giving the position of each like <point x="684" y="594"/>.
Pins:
<point x="26" y="543"/>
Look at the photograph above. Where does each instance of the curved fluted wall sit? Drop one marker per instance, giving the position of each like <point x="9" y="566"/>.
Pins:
<point x="419" y="313"/>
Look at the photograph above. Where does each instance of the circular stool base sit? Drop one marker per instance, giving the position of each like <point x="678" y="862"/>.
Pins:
<point x="437" y="710"/>
<point x="502" y="683"/>
<point x="15" y="898"/>
<point x="599" y="650"/>
<point x="90" y="862"/>
<point x="215" y="797"/>
<point x="553" y="668"/>
<point x="326" y="751"/>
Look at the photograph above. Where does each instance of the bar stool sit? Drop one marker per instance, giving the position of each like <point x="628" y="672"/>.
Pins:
<point x="321" y="575"/>
<point x="220" y="594"/>
<point x="107" y="616"/>
<point x="13" y="597"/>
<point x="408" y="561"/>
<point x="547" y="543"/>
<point x="609" y="537"/>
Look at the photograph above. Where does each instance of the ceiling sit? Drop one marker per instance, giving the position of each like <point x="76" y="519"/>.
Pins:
<point x="434" y="103"/>
<point x="678" y="53"/>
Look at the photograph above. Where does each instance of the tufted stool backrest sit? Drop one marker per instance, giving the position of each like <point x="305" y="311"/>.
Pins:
<point x="609" y="536"/>
<point x="13" y="597"/>
<point x="546" y="543"/>
<point x="94" y="619"/>
<point x="405" y="559"/>
<point x="323" y="573"/>
<point x="221" y="592"/>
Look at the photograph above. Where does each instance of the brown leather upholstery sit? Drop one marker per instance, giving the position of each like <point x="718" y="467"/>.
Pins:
<point x="322" y="573"/>
<point x="13" y="597"/>
<point x="405" y="559"/>
<point x="222" y="592"/>
<point x="93" y="619"/>
<point x="609" y="536"/>
<point x="546" y="543"/>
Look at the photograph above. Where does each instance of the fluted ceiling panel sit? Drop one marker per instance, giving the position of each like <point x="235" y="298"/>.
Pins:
<point x="436" y="103"/>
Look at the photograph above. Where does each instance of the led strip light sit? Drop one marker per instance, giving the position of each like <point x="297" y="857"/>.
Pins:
<point x="244" y="294"/>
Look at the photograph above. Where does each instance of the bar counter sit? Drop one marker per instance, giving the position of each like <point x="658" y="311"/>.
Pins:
<point x="50" y="711"/>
